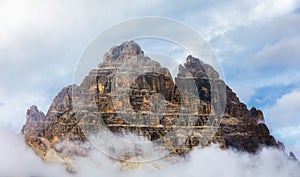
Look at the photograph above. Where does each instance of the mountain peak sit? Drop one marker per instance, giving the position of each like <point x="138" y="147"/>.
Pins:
<point x="194" y="67"/>
<point x="122" y="52"/>
<point x="149" y="104"/>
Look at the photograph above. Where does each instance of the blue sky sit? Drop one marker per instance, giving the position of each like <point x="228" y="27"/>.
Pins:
<point x="257" y="44"/>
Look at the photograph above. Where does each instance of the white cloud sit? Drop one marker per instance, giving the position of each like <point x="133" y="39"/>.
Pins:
<point x="260" y="53"/>
<point x="244" y="93"/>
<point x="41" y="42"/>
<point x="216" y="18"/>
<point x="284" y="119"/>
<point x="14" y="109"/>
<point x="286" y="110"/>
<point x="19" y="160"/>
<point x="284" y="54"/>
<point x="291" y="132"/>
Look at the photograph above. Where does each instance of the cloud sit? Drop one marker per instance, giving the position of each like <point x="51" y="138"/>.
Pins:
<point x="246" y="42"/>
<point x="210" y="161"/>
<point x="284" y="119"/>
<point x="286" y="111"/>
<point x="14" y="109"/>
<point x="41" y="42"/>
<point x="282" y="54"/>
<point x="19" y="160"/>
<point x="260" y="54"/>
<point x="245" y="94"/>
<point x="213" y="19"/>
<point x="260" y="61"/>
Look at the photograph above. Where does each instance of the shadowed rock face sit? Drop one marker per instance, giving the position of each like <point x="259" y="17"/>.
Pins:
<point x="129" y="92"/>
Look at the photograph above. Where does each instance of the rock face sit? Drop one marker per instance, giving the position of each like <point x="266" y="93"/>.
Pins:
<point x="129" y="92"/>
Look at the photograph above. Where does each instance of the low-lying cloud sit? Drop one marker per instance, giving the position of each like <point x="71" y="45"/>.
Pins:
<point x="17" y="159"/>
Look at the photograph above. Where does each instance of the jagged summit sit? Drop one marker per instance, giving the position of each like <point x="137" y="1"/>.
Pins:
<point x="117" y="53"/>
<point x="194" y="67"/>
<point x="257" y="115"/>
<point x="129" y="92"/>
<point x="128" y="52"/>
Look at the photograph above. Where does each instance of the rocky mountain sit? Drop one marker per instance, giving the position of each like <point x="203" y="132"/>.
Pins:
<point x="130" y="93"/>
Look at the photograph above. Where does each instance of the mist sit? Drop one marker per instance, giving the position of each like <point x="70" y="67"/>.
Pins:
<point x="17" y="159"/>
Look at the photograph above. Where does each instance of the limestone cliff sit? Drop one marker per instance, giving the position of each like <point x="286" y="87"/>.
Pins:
<point x="130" y="92"/>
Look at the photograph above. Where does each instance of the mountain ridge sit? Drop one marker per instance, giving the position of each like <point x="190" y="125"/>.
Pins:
<point x="131" y="92"/>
